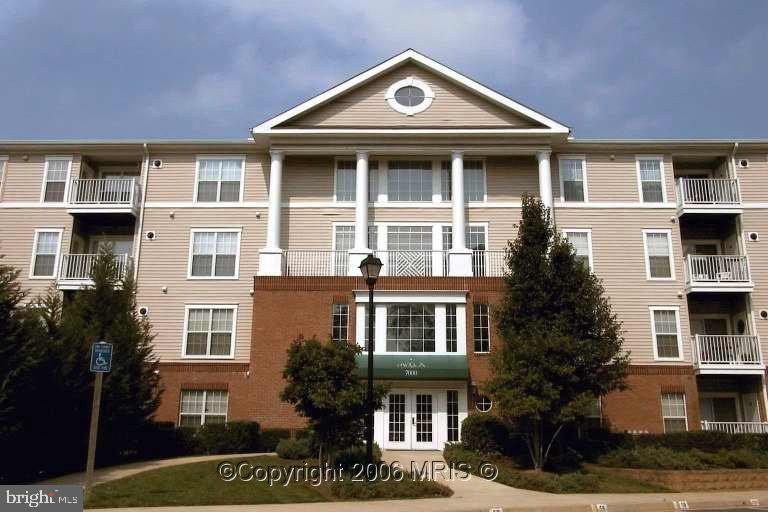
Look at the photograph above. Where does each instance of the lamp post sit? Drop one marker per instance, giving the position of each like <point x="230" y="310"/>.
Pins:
<point x="370" y="268"/>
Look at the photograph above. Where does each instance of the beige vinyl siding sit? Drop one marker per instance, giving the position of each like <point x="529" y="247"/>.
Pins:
<point x="753" y="182"/>
<point x="17" y="236"/>
<point x="613" y="180"/>
<point x="175" y="181"/>
<point x="164" y="263"/>
<point x="453" y="106"/>
<point x="509" y="177"/>
<point x="311" y="228"/>
<point x="757" y="220"/>
<point x="24" y="179"/>
<point x="308" y="178"/>
<point x="619" y="260"/>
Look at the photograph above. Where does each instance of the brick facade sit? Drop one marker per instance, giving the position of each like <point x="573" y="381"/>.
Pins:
<point x="287" y="307"/>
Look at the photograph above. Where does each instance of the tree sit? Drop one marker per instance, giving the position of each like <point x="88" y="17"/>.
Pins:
<point x="323" y="386"/>
<point x="562" y="344"/>
<point x="131" y="392"/>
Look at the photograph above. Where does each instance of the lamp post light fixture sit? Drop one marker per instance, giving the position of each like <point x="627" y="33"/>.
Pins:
<point x="370" y="268"/>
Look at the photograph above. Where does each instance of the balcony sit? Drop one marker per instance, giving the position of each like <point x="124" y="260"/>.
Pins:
<point x="111" y="195"/>
<point x="736" y="427"/>
<point x="705" y="195"/>
<point x="734" y="354"/>
<point x="75" y="270"/>
<point x="717" y="273"/>
<point x="318" y="262"/>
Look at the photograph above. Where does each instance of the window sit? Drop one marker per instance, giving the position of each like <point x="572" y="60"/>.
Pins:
<point x="346" y="180"/>
<point x="410" y="328"/>
<point x="409" y="180"/>
<point x="573" y="179"/>
<point x="452" y="412"/>
<point x="593" y="419"/>
<point x="483" y="403"/>
<point x="474" y="180"/>
<point x="481" y="327"/>
<point x="57" y="171"/>
<point x="214" y="254"/>
<point x="201" y="407"/>
<point x="365" y="326"/>
<point x="451" y="332"/>
<point x="219" y="179"/>
<point x="581" y="240"/>
<point x="658" y="254"/>
<point x="340" y="322"/>
<point x="665" y="328"/>
<point x="650" y="175"/>
<point x="409" y="96"/>
<point x="209" y="331"/>
<point x="673" y="412"/>
<point x="45" y="257"/>
<point x="344" y="240"/>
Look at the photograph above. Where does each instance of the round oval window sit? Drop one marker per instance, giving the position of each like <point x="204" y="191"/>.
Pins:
<point x="483" y="403"/>
<point x="409" y="96"/>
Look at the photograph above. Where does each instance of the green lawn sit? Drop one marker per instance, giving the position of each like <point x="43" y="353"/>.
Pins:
<point x="200" y="484"/>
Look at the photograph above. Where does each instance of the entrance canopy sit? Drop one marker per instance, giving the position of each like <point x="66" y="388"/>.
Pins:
<point x="415" y="367"/>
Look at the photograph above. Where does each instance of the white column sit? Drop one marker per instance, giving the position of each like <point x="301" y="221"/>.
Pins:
<point x="360" y="249"/>
<point x="271" y="256"/>
<point x="459" y="258"/>
<point x="545" y="179"/>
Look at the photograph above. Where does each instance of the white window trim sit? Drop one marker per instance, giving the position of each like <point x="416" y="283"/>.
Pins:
<point x="429" y="96"/>
<point x="660" y="158"/>
<point x="685" y="409"/>
<point x="488" y="308"/>
<point x="583" y="159"/>
<point x="336" y="177"/>
<point x="589" y="243"/>
<point x="187" y="308"/>
<point x="437" y="232"/>
<point x="60" y="231"/>
<point x="68" y="159"/>
<point x="192" y="232"/>
<point x="676" y="309"/>
<point x="198" y="158"/>
<point x="205" y="401"/>
<point x="485" y="181"/>
<point x="668" y="232"/>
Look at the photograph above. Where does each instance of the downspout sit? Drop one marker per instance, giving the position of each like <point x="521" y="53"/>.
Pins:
<point x="145" y="178"/>
<point x="733" y="159"/>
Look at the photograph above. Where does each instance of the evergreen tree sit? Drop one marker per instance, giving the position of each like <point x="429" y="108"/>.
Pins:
<point x="323" y="386"/>
<point x="130" y="395"/>
<point x="562" y="345"/>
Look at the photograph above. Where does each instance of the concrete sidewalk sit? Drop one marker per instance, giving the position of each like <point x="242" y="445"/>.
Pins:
<point x="115" y="472"/>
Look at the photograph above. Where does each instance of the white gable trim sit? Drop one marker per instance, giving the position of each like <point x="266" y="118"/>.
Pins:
<point x="552" y="126"/>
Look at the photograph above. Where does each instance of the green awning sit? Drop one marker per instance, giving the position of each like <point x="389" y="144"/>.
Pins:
<point x="414" y="367"/>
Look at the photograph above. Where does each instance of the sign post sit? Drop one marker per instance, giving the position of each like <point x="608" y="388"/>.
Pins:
<point x="101" y="363"/>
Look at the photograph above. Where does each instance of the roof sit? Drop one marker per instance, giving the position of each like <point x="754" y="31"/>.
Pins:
<point x="410" y="55"/>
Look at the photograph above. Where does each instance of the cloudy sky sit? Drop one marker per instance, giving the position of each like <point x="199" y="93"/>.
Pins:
<point x="214" y="68"/>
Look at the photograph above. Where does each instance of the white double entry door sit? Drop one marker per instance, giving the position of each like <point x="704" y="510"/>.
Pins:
<point x="421" y="419"/>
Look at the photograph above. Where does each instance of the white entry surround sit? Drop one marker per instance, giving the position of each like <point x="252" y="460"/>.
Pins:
<point x="417" y="418"/>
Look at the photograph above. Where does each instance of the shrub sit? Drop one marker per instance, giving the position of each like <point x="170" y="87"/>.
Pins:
<point x="706" y="441"/>
<point x="485" y="433"/>
<point x="408" y="487"/>
<point x="232" y="437"/>
<point x="271" y="436"/>
<point x="348" y="457"/>
<point x="652" y="458"/>
<point x="294" y="448"/>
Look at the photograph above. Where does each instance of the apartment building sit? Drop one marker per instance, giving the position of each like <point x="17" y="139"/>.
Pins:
<point x="240" y="246"/>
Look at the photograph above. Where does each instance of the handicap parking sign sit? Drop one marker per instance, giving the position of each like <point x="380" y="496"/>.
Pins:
<point x="101" y="357"/>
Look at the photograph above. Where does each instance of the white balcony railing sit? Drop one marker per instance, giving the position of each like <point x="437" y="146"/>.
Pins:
<point x="707" y="270"/>
<point x="727" y="351"/>
<point x="736" y="427"/>
<point x="706" y="191"/>
<point x="320" y="262"/>
<point x="107" y="192"/>
<point x="78" y="267"/>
